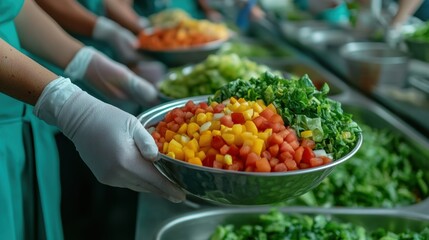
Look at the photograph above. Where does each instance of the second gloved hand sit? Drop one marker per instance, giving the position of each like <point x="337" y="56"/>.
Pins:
<point x="111" y="78"/>
<point x="114" y="144"/>
<point x="121" y="39"/>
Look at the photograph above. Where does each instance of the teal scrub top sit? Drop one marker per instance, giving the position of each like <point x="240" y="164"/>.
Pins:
<point x="29" y="163"/>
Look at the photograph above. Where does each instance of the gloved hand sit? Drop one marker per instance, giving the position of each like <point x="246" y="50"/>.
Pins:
<point x="113" y="143"/>
<point x="121" y="39"/>
<point x="111" y="78"/>
<point x="143" y="22"/>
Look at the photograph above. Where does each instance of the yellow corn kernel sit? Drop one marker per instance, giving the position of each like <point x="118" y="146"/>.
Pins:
<point x="178" y="153"/>
<point x="212" y="151"/>
<point x="201" y="118"/>
<point x="229" y="138"/>
<point x="234" y="106"/>
<point x="192" y="128"/>
<point x="215" y="125"/>
<point x="237" y="129"/>
<point x="233" y="100"/>
<point x="171" y="154"/>
<point x="205" y="140"/>
<point x="196" y="161"/>
<point x="251" y="127"/>
<point x="209" y="116"/>
<point x="196" y="136"/>
<point x="219" y="157"/>
<point x="243" y="107"/>
<point x="216" y="132"/>
<point x="183" y="128"/>
<point x="201" y="155"/>
<point x="307" y="134"/>
<point x="227" y="159"/>
<point x="258" y="146"/>
<point x="241" y="100"/>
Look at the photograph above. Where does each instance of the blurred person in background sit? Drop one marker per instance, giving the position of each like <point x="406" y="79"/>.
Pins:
<point x="112" y="143"/>
<point x="111" y="26"/>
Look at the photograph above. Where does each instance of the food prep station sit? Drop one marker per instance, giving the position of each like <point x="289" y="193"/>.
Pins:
<point x="314" y="48"/>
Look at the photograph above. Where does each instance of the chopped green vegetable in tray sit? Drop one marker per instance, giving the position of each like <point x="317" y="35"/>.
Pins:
<point x="380" y="174"/>
<point x="421" y="33"/>
<point x="277" y="226"/>
<point x="302" y="107"/>
<point x="206" y="77"/>
<point x="244" y="49"/>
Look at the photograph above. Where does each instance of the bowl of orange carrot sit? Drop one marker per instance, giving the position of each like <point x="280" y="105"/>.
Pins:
<point x="189" y="41"/>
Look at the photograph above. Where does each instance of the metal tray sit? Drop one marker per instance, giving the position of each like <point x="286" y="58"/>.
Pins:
<point x="201" y="224"/>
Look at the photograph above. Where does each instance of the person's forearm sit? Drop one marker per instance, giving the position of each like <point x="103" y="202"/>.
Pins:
<point x="72" y="16"/>
<point x="122" y="12"/>
<point x="21" y="77"/>
<point x="40" y="35"/>
<point x="406" y="9"/>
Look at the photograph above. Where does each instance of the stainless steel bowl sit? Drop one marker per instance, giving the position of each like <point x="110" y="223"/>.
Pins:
<point x="232" y="187"/>
<point x="201" y="224"/>
<point x="326" y="38"/>
<point x="372" y="65"/>
<point x="182" y="56"/>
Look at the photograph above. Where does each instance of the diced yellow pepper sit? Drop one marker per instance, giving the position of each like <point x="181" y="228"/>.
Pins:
<point x="229" y="138"/>
<point x="175" y="144"/>
<point x="248" y="114"/>
<point x="192" y="128"/>
<point x="216" y="132"/>
<point x="196" y="161"/>
<point x="178" y="152"/>
<point x="251" y="127"/>
<point x="257" y="108"/>
<point x="261" y="103"/>
<point x="234" y="106"/>
<point x="205" y="140"/>
<point x="193" y="145"/>
<point x="201" y="155"/>
<point x="272" y="107"/>
<point x="219" y="157"/>
<point x="233" y="100"/>
<point x="171" y="154"/>
<point x="237" y="129"/>
<point x="241" y="100"/>
<point x="258" y="145"/>
<point x="243" y="107"/>
<point x="189" y="153"/>
<point x="165" y="147"/>
<point x="307" y="134"/>
<point x="169" y="135"/>
<point x="183" y="128"/>
<point x="263" y="135"/>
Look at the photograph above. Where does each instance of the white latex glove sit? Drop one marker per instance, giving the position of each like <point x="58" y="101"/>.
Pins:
<point x="393" y="36"/>
<point x="111" y="78"/>
<point x="143" y="22"/>
<point x="113" y="143"/>
<point x="121" y="39"/>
